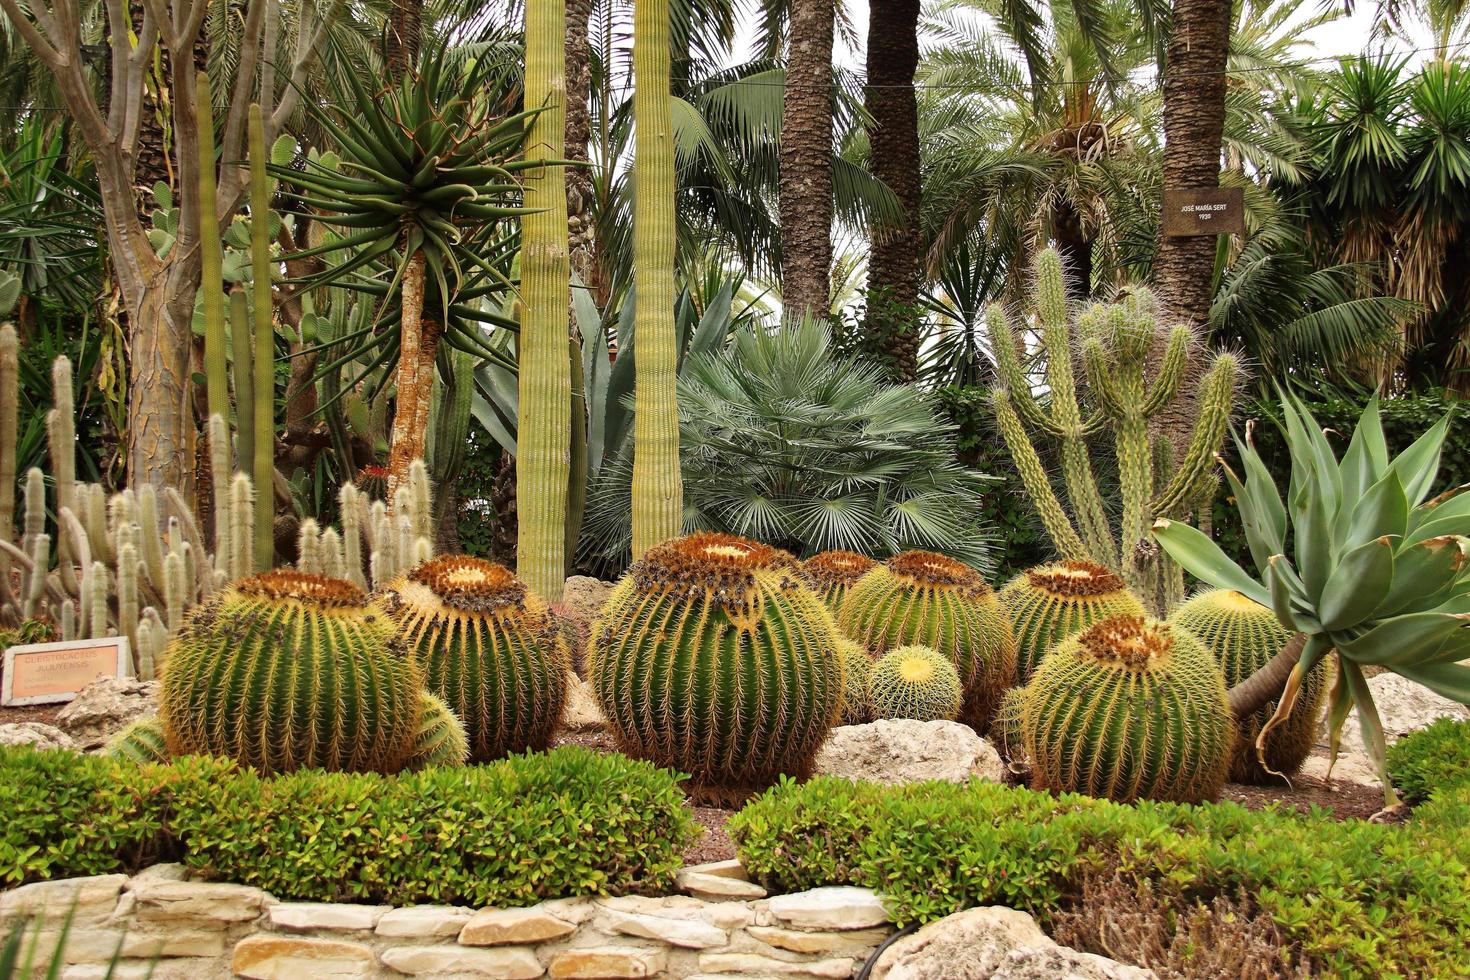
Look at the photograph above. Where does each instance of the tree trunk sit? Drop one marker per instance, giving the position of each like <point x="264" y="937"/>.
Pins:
<point x="806" y="163"/>
<point x="1075" y="249"/>
<point x="405" y="32"/>
<point x="161" y="436"/>
<point x="894" y="262"/>
<point x="418" y="342"/>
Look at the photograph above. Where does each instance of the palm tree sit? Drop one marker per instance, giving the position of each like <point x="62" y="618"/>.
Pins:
<point x="806" y="161"/>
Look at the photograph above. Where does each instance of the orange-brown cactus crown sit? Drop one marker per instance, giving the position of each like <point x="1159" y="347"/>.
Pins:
<point x="471" y="584"/>
<point x="722" y="566"/>
<point x="316" y="590"/>
<point x="932" y="570"/>
<point x="1131" y="642"/>
<point x="1074" y="579"/>
<point x="837" y="567"/>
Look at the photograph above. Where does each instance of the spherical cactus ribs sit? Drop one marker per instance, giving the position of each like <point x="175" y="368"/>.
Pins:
<point x="915" y="682"/>
<point x="834" y="572"/>
<point x="1244" y="635"/>
<point x="930" y="599"/>
<point x="713" y="656"/>
<point x="856" y="664"/>
<point x="141" y="741"/>
<point x="440" y="738"/>
<point x="1049" y="603"/>
<point x="287" y="670"/>
<point x="1130" y="708"/>
<point x="489" y="647"/>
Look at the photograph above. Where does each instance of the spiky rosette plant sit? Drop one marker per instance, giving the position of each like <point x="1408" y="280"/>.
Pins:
<point x="714" y="657"/>
<point x="141" y="741"/>
<point x="1243" y="636"/>
<point x="835" y="572"/>
<point x="439" y="739"/>
<point x="489" y="647"/>
<point x="288" y="670"/>
<point x="1130" y="708"/>
<point x="1049" y="603"/>
<point x="856" y="664"/>
<point x="920" y="597"/>
<point x="915" y="682"/>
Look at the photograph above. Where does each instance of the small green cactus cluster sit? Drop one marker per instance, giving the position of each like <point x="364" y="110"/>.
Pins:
<point x="1131" y="708"/>
<point x="915" y="682"/>
<point x="438" y="739"/>
<point x="1243" y="636"/>
<point x="833" y="573"/>
<point x="489" y="647"/>
<point x="141" y="741"/>
<point x="857" y="709"/>
<point x="1049" y="603"/>
<point x="920" y="597"/>
<point x="713" y="656"/>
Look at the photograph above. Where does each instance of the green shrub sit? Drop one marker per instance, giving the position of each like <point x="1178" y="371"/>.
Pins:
<point x="1348" y="898"/>
<point x="510" y="833"/>
<point x="1431" y="759"/>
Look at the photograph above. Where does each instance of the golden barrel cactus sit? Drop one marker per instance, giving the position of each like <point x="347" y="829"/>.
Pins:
<point x="834" y="572"/>
<point x="1050" y="602"/>
<point x="915" y="682"/>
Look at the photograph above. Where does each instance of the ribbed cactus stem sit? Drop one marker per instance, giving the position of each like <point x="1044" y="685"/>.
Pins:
<point x="1217" y="393"/>
<point x="150" y="535"/>
<point x="62" y="433"/>
<point x="99" y="622"/>
<point x="242" y="526"/>
<point x="309" y="547"/>
<point x="211" y="276"/>
<point x="351" y="513"/>
<point x="262" y="328"/>
<point x="143" y="655"/>
<point x="9" y="429"/>
<point x="68" y="619"/>
<point x="95" y="521"/>
<point x="36" y="583"/>
<point x="333" y="565"/>
<point x="421" y="500"/>
<point x="242" y="366"/>
<point x="658" y="490"/>
<point x="219" y="475"/>
<point x="403" y="552"/>
<point x="1033" y="477"/>
<point x="127" y="597"/>
<point x="175" y="595"/>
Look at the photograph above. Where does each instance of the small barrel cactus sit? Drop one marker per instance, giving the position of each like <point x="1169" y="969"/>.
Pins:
<point x="1244" y="635"/>
<point x="288" y="670"/>
<point x="1130" y="708"/>
<point x="440" y="739"/>
<point x="713" y="656"/>
<point x="834" y="572"/>
<point x="1049" y="603"/>
<point x="856" y="665"/>
<point x="489" y="647"/>
<point x="141" y="741"/>
<point x="930" y="599"/>
<point x="915" y="682"/>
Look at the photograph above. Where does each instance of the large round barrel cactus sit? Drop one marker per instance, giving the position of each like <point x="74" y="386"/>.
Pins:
<point x="920" y="597"/>
<point x="714" y="657"/>
<point x="915" y="682"/>
<point x="489" y="647"/>
<point x="1049" y="603"/>
<point x="1130" y="708"/>
<point x="288" y="670"/>
<point x="1244" y="635"/>
<point x="834" y="572"/>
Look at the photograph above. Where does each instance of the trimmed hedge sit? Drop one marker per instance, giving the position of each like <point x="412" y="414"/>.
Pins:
<point x="1431" y="759"/>
<point x="1351" y="898"/>
<point x="568" y="822"/>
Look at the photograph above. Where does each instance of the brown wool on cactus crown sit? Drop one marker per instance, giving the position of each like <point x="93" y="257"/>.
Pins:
<point x="1074" y="579"/>
<point x="304" y="587"/>
<point x="837" y="567"/>
<point x="1131" y="642"/>
<point x="722" y="566"/>
<point x="471" y="584"/>
<point x="928" y="568"/>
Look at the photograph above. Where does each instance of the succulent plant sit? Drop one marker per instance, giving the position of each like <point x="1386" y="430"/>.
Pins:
<point x="141" y="741"/>
<point x="439" y="739"/>
<point x="1130" y="708"/>
<point x="288" y="670"/>
<point x="1243" y="636"/>
<point x="930" y="599"/>
<point x="856" y="664"/>
<point x="714" y="657"/>
<point x="915" y="682"/>
<point x="834" y="572"/>
<point x="488" y="646"/>
<point x="1049" y="603"/>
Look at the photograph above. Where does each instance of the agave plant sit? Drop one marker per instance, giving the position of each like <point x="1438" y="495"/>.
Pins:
<point x="1377" y="570"/>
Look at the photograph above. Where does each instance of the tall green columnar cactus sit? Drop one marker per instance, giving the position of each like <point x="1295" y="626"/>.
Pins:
<point x="9" y="418"/>
<point x="1123" y="393"/>
<point x="242" y="365"/>
<point x="713" y="656"/>
<point x="262" y="328"/>
<point x="658" y="488"/>
<point x="211" y="256"/>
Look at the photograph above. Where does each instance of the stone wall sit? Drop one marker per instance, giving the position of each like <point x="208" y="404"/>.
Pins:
<point x="167" y="927"/>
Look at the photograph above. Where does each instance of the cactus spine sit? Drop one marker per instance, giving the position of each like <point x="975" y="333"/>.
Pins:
<point x="856" y="665"/>
<point x="834" y="572"/>
<point x="920" y="597"/>
<point x="140" y="742"/>
<point x="489" y="648"/>
<point x="211" y="256"/>
<point x="439" y="738"/>
<point x="1130" y="708"/>
<point x="9" y="433"/>
<point x="713" y="656"/>
<point x="1051" y="602"/>
<point x="915" y="682"/>
<point x="262" y="465"/>
<point x="1243" y="636"/>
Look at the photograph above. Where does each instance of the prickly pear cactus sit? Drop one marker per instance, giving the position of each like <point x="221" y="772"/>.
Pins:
<point x="714" y="657"/>
<point x="834" y="572"/>
<point x="915" y="682"/>
<point x="439" y="739"/>
<point x="1049" y="603"/>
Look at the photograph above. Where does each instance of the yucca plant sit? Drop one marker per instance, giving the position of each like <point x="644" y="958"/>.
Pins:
<point x="1377" y="571"/>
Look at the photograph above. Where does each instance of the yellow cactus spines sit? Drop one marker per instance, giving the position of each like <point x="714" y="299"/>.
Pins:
<point x="915" y="682"/>
<point x="856" y="708"/>
<point x="439" y="739"/>
<point x="1049" y="603"/>
<point x="713" y="656"/>
<point x="920" y="597"/>
<point x="1244" y="635"/>
<point x="289" y="670"/>
<point x="834" y="572"/>
<point x="488" y="646"/>
<point x="141" y="741"/>
<point x="1130" y="708"/>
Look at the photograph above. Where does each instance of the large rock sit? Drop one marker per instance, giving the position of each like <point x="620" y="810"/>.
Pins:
<point x="36" y="734"/>
<point x="993" y="943"/>
<point x="105" y="707"/>
<point x="583" y="596"/>
<point x="894" y="750"/>
<point x="1403" y="706"/>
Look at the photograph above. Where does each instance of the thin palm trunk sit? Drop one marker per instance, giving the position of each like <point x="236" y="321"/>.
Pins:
<point x="806" y="162"/>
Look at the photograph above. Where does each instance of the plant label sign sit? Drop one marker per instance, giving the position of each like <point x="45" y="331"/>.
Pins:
<point x="45" y="673"/>
<point x="1190" y="211"/>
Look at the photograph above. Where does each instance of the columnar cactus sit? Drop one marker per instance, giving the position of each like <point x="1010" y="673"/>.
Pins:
<point x="1049" y="603"/>
<point x="714" y="657"/>
<point x="439" y="738"/>
<point x="489" y="647"/>
<point x="286" y="670"/>
<point x="1243" y="636"/>
<point x="834" y="572"/>
<point x="1131" y="708"/>
<point x="915" y="682"/>
<point x="931" y="599"/>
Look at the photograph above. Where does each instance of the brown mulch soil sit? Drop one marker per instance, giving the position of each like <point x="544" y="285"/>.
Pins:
<point x="1345" y="800"/>
<point x="35" y="712"/>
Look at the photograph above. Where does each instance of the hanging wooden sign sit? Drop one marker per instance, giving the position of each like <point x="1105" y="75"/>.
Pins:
<point x="44" y="673"/>
<point x="1190" y="211"/>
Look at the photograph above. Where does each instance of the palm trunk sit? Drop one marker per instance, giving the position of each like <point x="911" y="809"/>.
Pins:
<point x="894" y="261"/>
<point x="806" y="162"/>
<point x="405" y="31"/>
<point x="417" y="345"/>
